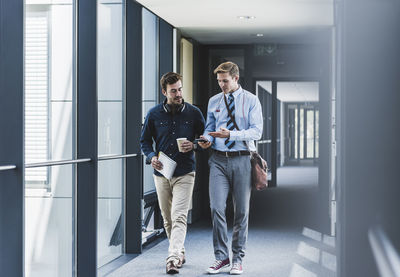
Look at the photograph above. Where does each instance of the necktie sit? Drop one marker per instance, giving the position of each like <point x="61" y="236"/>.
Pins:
<point x="230" y="126"/>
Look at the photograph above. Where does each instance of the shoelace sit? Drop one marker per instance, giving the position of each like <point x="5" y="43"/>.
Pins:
<point x="216" y="264"/>
<point x="236" y="266"/>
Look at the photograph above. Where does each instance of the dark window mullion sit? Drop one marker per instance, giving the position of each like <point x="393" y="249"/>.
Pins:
<point x="274" y="134"/>
<point x="11" y="144"/>
<point x="87" y="141"/>
<point x="134" y="179"/>
<point x="298" y="132"/>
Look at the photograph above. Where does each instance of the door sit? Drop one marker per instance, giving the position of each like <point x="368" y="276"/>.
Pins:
<point x="297" y="132"/>
<point x="301" y="135"/>
<point x="264" y="145"/>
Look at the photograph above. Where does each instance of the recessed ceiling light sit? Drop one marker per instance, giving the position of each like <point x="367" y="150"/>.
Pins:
<point x="259" y="35"/>
<point x="246" y="17"/>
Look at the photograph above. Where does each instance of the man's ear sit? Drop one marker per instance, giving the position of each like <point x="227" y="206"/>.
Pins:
<point x="164" y="92"/>
<point x="236" y="78"/>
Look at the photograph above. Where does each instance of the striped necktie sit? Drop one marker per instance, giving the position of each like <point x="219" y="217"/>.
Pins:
<point x="229" y="125"/>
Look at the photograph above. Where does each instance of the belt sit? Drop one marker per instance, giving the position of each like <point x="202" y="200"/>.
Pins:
<point x="232" y="154"/>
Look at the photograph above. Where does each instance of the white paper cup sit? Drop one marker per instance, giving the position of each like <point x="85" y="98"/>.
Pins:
<point x="179" y="141"/>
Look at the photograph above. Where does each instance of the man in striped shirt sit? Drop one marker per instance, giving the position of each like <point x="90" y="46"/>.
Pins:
<point x="234" y="121"/>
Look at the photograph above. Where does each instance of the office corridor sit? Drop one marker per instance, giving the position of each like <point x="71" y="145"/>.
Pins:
<point x="79" y="78"/>
<point x="273" y="250"/>
<point x="284" y="238"/>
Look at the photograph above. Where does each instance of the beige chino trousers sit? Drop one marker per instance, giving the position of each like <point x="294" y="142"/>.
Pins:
<point x="174" y="197"/>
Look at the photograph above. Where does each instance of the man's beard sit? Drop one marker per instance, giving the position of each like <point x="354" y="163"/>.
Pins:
<point x="175" y="106"/>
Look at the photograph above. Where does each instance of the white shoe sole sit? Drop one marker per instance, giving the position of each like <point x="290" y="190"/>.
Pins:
<point x="235" y="272"/>
<point x="222" y="269"/>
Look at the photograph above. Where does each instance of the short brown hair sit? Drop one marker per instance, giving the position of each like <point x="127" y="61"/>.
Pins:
<point x="227" y="67"/>
<point x="169" y="78"/>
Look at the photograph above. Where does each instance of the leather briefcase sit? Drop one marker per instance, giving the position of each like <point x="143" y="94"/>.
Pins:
<point x="259" y="172"/>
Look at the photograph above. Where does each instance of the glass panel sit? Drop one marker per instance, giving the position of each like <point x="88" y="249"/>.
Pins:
<point x="310" y="133"/>
<point x="298" y="125"/>
<point x="264" y="93"/>
<point x="49" y="132"/>
<point x="150" y="81"/>
<point x="110" y="216"/>
<point x="150" y="55"/>
<point x="48" y="87"/>
<point x="49" y="225"/>
<point x="111" y="120"/>
<point x="301" y="134"/>
<point x="296" y="133"/>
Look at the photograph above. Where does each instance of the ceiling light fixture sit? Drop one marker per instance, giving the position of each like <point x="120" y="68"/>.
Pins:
<point x="259" y="35"/>
<point x="246" y="17"/>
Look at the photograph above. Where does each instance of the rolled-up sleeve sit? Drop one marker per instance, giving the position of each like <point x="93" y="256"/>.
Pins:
<point x="210" y="124"/>
<point x="255" y="123"/>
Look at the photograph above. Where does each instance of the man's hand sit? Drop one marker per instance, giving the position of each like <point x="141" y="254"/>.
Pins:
<point x="204" y="145"/>
<point x="186" y="146"/>
<point x="155" y="163"/>
<point x="223" y="133"/>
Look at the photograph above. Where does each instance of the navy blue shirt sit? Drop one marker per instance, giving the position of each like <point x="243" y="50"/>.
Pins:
<point x="163" y="127"/>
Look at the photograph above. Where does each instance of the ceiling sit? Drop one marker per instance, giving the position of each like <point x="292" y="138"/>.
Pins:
<point x="294" y="91"/>
<point x="219" y="22"/>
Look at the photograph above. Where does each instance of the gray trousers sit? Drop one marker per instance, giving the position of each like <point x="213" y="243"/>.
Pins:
<point x="230" y="173"/>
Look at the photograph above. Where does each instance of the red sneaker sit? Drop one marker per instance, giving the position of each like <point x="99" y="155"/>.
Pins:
<point x="217" y="266"/>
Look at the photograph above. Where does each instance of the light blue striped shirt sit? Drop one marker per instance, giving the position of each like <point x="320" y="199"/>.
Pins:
<point x="248" y="116"/>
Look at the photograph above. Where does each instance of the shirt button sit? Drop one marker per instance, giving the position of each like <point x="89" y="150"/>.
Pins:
<point x="173" y="133"/>
<point x="173" y="122"/>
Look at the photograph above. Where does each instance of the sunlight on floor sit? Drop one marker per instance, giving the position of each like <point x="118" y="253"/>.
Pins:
<point x="316" y="251"/>
<point x="312" y="234"/>
<point x="299" y="271"/>
<point x="309" y="252"/>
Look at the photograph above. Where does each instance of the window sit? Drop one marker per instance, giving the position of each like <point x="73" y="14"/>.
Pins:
<point x="150" y="81"/>
<point x="37" y="95"/>
<point x="50" y="116"/>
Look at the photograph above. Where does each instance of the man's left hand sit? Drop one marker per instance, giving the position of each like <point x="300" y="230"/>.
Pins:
<point x="186" y="146"/>
<point x="223" y="133"/>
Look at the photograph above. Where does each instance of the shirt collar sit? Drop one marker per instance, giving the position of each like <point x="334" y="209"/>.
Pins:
<point x="236" y="92"/>
<point x="167" y="109"/>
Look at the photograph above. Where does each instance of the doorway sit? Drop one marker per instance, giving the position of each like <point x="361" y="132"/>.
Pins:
<point x="290" y="141"/>
<point x="301" y="141"/>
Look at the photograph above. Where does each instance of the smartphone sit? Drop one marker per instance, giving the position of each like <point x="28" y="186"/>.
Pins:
<point x="200" y="140"/>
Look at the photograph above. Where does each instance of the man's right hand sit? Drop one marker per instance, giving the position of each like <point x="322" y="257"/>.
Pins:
<point x="155" y="163"/>
<point x="204" y="145"/>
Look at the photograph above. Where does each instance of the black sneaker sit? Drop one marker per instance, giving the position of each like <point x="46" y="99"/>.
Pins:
<point x="181" y="261"/>
<point x="172" y="268"/>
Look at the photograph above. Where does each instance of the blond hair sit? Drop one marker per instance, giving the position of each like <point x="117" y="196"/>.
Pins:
<point x="228" y="67"/>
